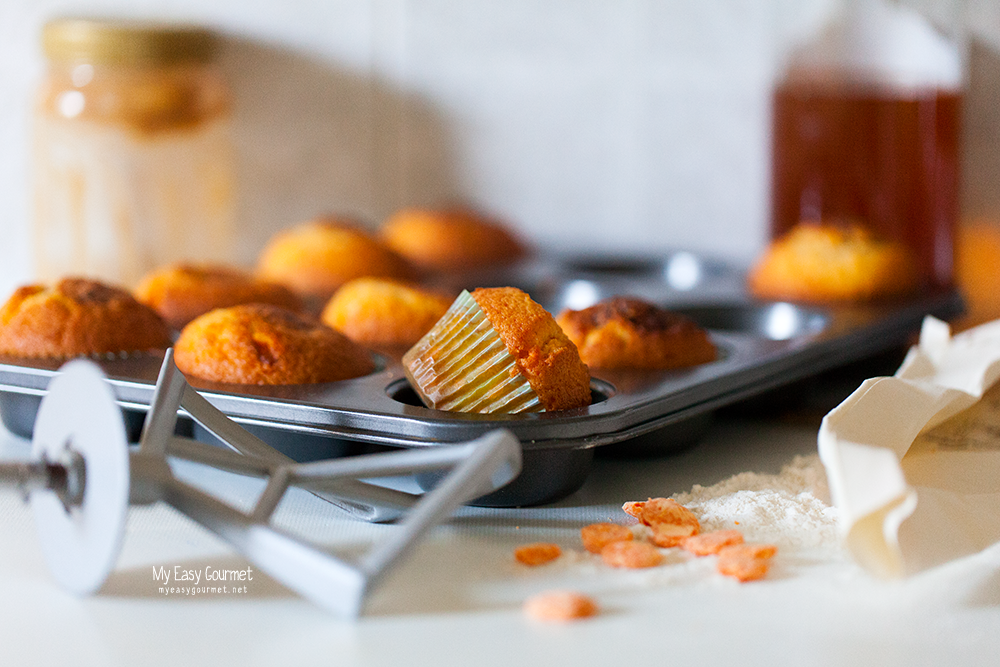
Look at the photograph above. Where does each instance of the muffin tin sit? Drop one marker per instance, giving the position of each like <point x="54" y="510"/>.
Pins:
<point x="762" y="345"/>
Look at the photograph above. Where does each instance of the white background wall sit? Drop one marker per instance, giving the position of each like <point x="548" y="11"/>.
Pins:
<point x="614" y="124"/>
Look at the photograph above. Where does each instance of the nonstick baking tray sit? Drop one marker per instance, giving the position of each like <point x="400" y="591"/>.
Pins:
<point x="762" y="346"/>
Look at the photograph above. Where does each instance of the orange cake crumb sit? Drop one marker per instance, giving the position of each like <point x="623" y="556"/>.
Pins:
<point x="631" y="554"/>
<point x="667" y="510"/>
<point x="598" y="535"/>
<point x="559" y="606"/>
<point x="634" y="507"/>
<point x="746" y="562"/>
<point x="669" y="520"/>
<point x="707" y="544"/>
<point x="754" y="550"/>
<point x="537" y="553"/>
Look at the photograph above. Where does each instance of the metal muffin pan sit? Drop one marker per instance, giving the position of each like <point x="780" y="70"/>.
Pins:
<point x="762" y="346"/>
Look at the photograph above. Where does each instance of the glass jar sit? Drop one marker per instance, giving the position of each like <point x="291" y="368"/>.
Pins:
<point x="866" y="132"/>
<point x="133" y="163"/>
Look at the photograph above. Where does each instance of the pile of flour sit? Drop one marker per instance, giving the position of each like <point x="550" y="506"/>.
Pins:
<point x="791" y="509"/>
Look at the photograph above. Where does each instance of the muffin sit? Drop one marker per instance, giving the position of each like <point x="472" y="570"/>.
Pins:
<point x="497" y="351"/>
<point x="977" y="272"/>
<point x="624" y="332"/>
<point x="262" y="344"/>
<point x="317" y="257"/>
<point x="450" y="239"/>
<point x="77" y="317"/>
<point x="182" y="292"/>
<point x="831" y="262"/>
<point x="383" y="312"/>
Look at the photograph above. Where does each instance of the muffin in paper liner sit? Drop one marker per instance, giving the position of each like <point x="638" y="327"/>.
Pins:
<point x="463" y="365"/>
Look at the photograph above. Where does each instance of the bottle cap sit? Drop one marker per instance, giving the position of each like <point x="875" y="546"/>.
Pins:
<point x="123" y="42"/>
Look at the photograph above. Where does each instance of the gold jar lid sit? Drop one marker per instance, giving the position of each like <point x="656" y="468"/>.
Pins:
<point x="121" y="42"/>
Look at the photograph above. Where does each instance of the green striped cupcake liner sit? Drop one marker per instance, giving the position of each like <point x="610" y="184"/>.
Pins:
<point x="462" y="365"/>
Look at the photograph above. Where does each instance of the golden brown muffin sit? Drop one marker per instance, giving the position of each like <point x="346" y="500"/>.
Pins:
<point x="383" y="312"/>
<point x="450" y="239"/>
<point x="262" y="344"/>
<point x="77" y="317"/>
<point x="317" y="257"/>
<point x="543" y="352"/>
<point x="977" y="272"/>
<point x="497" y="351"/>
<point x="624" y="332"/>
<point x="182" y="292"/>
<point x="828" y="262"/>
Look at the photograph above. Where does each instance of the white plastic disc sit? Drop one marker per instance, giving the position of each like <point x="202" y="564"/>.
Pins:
<point x="80" y="545"/>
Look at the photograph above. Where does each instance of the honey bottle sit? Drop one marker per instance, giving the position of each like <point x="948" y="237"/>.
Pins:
<point x="866" y="123"/>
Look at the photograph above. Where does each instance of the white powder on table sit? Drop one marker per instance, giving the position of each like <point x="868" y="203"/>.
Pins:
<point x="791" y="509"/>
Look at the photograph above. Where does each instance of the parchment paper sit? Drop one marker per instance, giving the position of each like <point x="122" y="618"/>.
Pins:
<point x="913" y="460"/>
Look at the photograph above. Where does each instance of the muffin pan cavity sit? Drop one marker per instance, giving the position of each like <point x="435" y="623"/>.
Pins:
<point x="403" y="392"/>
<point x="763" y="345"/>
<point x="776" y="321"/>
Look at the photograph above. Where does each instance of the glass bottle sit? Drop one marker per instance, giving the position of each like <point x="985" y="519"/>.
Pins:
<point x="133" y="163"/>
<point x="866" y="131"/>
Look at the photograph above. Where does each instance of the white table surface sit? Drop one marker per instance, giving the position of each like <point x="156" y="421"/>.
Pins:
<point x="457" y="599"/>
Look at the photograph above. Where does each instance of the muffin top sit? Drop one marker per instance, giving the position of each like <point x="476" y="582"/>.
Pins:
<point x="266" y="345"/>
<point x="542" y="351"/>
<point x="624" y="332"/>
<point x="454" y="239"/>
<point x="182" y="292"/>
<point x="317" y="257"/>
<point x="384" y="312"/>
<point x="75" y="317"/>
<point x="833" y="262"/>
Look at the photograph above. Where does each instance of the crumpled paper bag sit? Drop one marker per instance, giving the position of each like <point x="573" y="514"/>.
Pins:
<point x="913" y="460"/>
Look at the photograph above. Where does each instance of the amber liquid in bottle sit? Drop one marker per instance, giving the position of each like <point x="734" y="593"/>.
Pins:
<point x="886" y="159"/>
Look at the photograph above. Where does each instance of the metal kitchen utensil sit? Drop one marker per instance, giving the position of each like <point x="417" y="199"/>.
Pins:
<point x="83" y="476"/>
